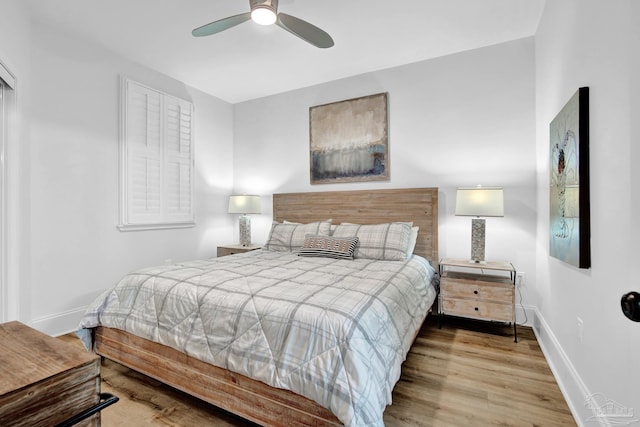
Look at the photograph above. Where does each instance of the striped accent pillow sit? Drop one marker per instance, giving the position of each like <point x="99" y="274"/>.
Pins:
<point x="388" y="241"/>
<point x="329" y="247"/>
<point x="290" y="237"/>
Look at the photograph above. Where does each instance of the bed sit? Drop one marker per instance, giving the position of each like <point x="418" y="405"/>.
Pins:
<point x="304" y="380"/>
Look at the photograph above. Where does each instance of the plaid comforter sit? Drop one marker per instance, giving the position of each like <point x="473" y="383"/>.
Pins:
<point x="335" y="331"/>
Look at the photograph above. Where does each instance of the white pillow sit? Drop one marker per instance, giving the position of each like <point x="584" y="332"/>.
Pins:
<point x="290" y="237"/>
<point x="413" y="238"/>
<point x="389" y="241"/>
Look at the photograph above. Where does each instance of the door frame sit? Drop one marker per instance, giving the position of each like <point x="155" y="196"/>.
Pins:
<point x="7" y="107"/>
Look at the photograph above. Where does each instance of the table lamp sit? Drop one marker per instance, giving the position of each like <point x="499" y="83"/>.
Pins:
<point x="479" y="202"/>
<point x="245" y="205"/>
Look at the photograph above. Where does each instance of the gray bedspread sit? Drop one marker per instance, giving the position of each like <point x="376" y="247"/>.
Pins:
<point x="335" y="331"/>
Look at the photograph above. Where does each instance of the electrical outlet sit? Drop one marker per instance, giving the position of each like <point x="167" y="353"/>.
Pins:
<point x="520" y="278"/>
<point x="580" y="330"/>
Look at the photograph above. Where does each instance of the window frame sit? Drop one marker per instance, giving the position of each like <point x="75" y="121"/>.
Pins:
<point x="130" y="219"/>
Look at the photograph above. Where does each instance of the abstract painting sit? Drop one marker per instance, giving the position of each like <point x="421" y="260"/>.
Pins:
<point x="349" y="140"/>
<point x="569" y="219"/>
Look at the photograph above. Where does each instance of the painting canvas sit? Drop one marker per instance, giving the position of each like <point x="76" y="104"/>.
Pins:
<point x="569" y="228"/>
<point x="349" y="140"/>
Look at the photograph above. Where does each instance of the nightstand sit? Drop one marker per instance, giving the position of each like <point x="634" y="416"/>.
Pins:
<point x="225" y="250"/>
<point x="45" y="381"/>
<point x="478" y="291"/>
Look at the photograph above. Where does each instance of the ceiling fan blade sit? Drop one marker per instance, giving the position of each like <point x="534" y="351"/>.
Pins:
<point x="307" y="32"/>
<point x="221" y="25"/>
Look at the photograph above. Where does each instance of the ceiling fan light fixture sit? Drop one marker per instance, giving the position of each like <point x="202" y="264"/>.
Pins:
<point x="265" y="12"/>
<point x="263" y="15"/>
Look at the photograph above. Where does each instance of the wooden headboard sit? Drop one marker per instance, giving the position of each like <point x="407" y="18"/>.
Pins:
<point x="419" y="205"/>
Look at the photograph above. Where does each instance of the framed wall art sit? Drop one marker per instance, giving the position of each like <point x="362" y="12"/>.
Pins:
<point x="569" y="219"/>
<point x="349" y="140"/>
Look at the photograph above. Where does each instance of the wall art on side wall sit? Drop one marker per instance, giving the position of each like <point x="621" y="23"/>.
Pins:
<point x="569" y="220"/>
<point x="349" y="140"/>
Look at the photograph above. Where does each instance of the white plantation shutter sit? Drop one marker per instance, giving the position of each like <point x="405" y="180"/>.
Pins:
<point x="157" y="159"/>
<point x="178" y="152"/>
<point x="144" y="154"/>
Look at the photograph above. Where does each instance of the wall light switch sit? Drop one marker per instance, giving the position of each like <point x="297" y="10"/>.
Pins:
<point x="520" y="278"/>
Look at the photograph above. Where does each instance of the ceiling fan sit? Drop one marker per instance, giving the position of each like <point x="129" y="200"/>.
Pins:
<point x="265" y="12"/>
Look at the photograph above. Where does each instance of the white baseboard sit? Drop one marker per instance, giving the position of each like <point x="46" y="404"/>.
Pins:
<point x="59" y="324"/>
<point x="525" y="315"/>
<point x="571" y="385"/>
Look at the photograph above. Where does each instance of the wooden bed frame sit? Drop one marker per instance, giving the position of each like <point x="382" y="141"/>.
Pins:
<point x="254" y="400"/>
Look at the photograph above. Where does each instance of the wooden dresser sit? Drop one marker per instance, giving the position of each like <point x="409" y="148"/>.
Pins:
<point x="43" y="380"/>
<point x="466" y="290"/>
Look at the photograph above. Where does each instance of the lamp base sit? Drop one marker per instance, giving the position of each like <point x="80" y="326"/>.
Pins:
<point x="477" y="240"/>
<point x="245" y="230"/>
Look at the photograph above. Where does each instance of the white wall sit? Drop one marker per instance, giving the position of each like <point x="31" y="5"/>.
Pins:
<point x="595" y="44"/>
<point x="70" y="249"/>
<point x="464" y="119"/>
<point x="15" y="39"/>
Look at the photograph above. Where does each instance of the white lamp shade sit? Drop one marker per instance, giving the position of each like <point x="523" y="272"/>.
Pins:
<point x="480" y="201"/>
<point x="244" y="204"/>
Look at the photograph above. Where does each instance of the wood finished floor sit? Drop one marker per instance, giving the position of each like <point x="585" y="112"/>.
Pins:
<point x="465" y="374"/>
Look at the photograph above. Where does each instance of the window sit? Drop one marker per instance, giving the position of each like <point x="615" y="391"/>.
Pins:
<point x="156" y="159"/>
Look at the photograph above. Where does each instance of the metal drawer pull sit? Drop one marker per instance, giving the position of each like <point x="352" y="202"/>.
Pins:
<point x="476" y="309"/>
<point x="475" y="292"/>
<point x="106" y="399"/>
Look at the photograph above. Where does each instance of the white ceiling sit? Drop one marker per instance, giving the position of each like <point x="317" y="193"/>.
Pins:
<point x="250" y="61"/>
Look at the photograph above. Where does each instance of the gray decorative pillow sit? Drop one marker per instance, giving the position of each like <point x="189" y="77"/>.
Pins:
<point x="328" y="247"/>
<point x="389" y="241"/>
<point x="290" y="237"/>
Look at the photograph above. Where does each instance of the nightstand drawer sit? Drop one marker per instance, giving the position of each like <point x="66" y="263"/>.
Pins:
<point x="228" y="251"/>
<point x="477" y="309"/>
<point x="486" y="288"/>
<point x="235" y="249"/>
